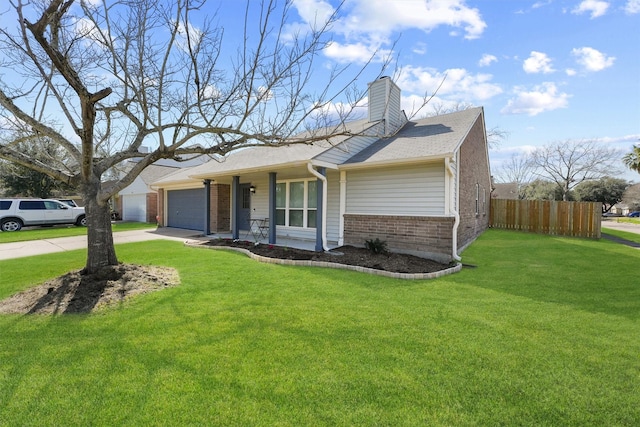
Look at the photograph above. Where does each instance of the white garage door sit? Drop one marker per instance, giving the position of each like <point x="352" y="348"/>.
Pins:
<point x="134" y="207"/>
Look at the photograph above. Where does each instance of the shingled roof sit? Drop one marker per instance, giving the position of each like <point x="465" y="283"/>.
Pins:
<point x="432" y="137"/>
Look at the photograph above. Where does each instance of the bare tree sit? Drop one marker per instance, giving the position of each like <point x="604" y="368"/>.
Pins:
<point x="569" y="163"/>
<point x="518" y="169"/>
<point x="495" y="135"/>
<point x="102" y="79"/>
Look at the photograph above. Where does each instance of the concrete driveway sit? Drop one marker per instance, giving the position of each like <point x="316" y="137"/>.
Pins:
<point x="61" y="244"/>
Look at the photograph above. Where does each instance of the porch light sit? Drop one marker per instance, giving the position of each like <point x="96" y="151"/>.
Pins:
<point x="252" y="189"/>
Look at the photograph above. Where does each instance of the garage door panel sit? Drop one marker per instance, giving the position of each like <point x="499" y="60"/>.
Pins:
<point x="134" y="207"/>
<point x="186" y="209"/>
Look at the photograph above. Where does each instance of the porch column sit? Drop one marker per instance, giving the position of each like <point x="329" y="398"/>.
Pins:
<point x="207" y="207"/>
<point x="272" y="208"/>
<point x="235" y="212"/>
<point x="319" y="211"/>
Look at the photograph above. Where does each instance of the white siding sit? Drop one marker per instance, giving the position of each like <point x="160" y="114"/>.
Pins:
<point x="377" y="100"/>
<point x="384" y="103"/>
<point x="413" y="190"/>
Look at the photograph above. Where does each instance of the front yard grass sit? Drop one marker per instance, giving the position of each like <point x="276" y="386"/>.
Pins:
<point x="37" y="233"/>
<point x="543" y="331"/>
<point x="632" y="237"/>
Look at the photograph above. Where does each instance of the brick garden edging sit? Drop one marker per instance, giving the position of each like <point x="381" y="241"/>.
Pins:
<point x="308" y="263"/>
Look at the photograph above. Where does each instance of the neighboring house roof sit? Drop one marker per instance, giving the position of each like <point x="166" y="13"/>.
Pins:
<point x="505" y="190"/>
<point x="430" y="138"/>
<point x="154" y="172"/>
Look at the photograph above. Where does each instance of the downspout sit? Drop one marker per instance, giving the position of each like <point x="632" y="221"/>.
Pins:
<point x="324" y="204"/>
<point x="456" y="215"/>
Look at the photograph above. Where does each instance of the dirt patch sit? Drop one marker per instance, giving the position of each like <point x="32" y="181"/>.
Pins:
<point x="348" y="255"/>
<point x="83" y="293"/>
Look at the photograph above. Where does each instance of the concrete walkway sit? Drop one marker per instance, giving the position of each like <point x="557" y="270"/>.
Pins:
<point x="61" y="244"/>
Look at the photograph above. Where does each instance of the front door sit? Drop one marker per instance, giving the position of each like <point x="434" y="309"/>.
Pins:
<point x="244" y="207"/>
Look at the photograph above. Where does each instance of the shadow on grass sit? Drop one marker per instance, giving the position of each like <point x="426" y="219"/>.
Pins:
<point x="598" y="276"/>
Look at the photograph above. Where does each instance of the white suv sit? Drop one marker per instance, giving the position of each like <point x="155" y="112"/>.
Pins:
<point x="18" y="213"/>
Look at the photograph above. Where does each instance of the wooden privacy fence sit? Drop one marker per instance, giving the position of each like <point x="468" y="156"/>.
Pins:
<point x="577" y="219"/>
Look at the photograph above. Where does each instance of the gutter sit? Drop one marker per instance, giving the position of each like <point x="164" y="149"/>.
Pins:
<point x="324" y="204"/>
<point x="456" y="214"/>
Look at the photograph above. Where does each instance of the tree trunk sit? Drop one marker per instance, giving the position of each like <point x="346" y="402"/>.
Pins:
<point x="100" y="249"/>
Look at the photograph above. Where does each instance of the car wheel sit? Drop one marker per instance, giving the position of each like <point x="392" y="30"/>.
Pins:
<point x="82" y="221"/>
<point x="11" y="225"/>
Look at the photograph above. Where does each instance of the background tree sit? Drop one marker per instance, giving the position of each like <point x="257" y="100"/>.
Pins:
<point x="632" y="197"/>
<point x="569" y="163"/>
<point x="541" y="189"/>
<point x="607" y="191"/>
<point x="17" y="180"/>
<point x="102" y="79"/>
<point x="632" y="159"/>
<point x="519" y="170"/>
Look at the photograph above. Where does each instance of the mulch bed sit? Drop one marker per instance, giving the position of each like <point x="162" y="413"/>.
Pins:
<point x="348" y="255"/>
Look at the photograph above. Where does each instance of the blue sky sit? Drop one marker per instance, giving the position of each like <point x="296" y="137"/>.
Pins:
<point x="545" y="71"/>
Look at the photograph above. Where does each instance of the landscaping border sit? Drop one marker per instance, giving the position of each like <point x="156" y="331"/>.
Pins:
<point x="309" y="263"/>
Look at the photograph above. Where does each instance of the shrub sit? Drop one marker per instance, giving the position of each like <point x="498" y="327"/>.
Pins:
<point x="376" y="246"/>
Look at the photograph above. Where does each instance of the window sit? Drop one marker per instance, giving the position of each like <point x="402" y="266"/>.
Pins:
<point x="296" y="203"/>
<point x="477" y="199"/>
<point x="5" y="205"/>
<point x="246" y="198"/>
<point x="32" y="205"/>
<point x="484" y="201"/>
<point x="53" y="205"/>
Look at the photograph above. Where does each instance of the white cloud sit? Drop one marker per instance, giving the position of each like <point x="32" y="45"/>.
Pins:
<point x="375" y="20"/>
<point x="570" y="72"/>
<point x="455" y="84"/>
<point x="537" y="62"/>
<point x="544" y="97"/>
<point x="486" y="60"/>
<point x="420" y="48"/>
<point x="632" y="7"/>
<point x="595" y="7"/>
<point x="592" y="59"/>
<point x="356" y="52"/>
<point x="314" y="12"/>
<point x="188" y="36"/>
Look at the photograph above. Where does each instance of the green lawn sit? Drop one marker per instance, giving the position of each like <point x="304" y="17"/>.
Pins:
<point x="632" y="237"/>
<point x="37" y="233"/>
<point x="543" y="331"/>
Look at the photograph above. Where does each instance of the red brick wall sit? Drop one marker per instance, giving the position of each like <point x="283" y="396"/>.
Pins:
<point x="474" y="169"/>
<point x="220" y="209"/>
<point x="160" y="207"/>
<point x="429" y="237"/>
<point x="152" y="207"/>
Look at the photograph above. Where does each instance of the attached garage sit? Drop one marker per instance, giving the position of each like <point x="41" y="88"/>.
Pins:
<point x="186" y="209"/>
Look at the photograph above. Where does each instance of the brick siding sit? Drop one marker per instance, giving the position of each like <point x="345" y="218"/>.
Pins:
<point x="220" y="209"/>
<point x="474" y="169"/>
<point x="152" y="207"/>
<point x="429" y="237"/>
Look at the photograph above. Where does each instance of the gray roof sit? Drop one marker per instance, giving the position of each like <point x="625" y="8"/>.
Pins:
<point x="429" y="138"/>
<point x="432" y="137"/>
<point x="154" y="172"/>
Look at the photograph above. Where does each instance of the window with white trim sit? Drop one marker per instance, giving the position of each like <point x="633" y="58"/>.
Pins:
<point x="296" y="203"/>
